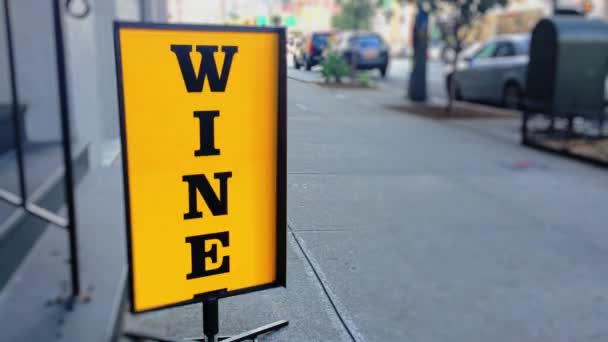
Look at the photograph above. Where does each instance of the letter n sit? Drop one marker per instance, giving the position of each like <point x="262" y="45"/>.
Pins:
<point x="218" y="205"/>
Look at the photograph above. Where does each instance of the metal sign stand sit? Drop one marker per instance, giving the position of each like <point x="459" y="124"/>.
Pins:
<point x="211" y="325"/>
<point x="211" y="328"/>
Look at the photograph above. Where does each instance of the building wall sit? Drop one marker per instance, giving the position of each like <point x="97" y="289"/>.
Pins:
<point x="395" y="26"/>
<point x="311" y="15"/>
<point x="599" y="9"/>
<point x="35" y="67"/>
<point x="89" y="51"/>
<point x="4" y="73"/>
<point x="194" y="11"/>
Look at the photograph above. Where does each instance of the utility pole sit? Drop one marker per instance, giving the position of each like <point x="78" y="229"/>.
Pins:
<point x="417" y="82"/>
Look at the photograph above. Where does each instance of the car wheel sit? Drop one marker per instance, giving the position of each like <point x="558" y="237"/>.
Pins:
<point x="295" y="63"/>
<point x="383" y="71"/>
<point x="511" y="96"/>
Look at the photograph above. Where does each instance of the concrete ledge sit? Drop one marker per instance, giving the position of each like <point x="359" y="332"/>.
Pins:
<point x="33" y="302"/>
<point x="20" y="231"/>
<point x="596" y="159"/>
<point x="460" y="110"/>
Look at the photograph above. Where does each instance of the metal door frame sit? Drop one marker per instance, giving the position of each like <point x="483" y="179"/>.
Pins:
<point x="21" y="200"/>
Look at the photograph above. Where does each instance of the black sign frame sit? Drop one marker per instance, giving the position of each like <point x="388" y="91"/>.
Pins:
<point x="281" y="167"/>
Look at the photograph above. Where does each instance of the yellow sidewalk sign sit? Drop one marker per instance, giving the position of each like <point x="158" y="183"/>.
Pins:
<point x="203" y="123"/>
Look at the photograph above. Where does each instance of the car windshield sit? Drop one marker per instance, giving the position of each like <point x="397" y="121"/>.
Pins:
<point x="486" y="51"/>
<point x="470" y="51"/>
<point x="319" y="39"/>
<point x="368" y="41"/>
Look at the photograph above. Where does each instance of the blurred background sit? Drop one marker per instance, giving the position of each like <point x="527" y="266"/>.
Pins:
<point x="446" y="171"/>
<point x="392" y="19"/>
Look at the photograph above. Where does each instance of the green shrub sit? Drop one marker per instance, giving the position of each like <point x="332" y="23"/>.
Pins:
<point x="363" y="79"/>
<point x="334" y="67"/>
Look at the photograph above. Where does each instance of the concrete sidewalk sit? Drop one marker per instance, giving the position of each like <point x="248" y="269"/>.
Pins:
<point x="303" y="303"/>
<point x="409" y="229"/>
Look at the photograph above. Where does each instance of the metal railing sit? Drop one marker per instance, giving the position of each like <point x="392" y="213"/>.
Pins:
<point x="21" y="199"/>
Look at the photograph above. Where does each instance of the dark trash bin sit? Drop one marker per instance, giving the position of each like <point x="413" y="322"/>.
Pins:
<point x="568" y="68"/>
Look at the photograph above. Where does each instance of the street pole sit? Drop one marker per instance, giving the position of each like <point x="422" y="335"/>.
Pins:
<point x="66" y="142"/>
<point x="417" y="82"/>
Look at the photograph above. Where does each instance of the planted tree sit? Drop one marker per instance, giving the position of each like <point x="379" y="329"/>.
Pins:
<point x="462" y="16"/>
<point x="417" y="80"/>
<point x="356" y="15"/>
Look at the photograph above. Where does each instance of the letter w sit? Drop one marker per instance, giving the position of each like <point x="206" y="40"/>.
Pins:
<point x="208" y="67"/>
<point x="200" y="184"/>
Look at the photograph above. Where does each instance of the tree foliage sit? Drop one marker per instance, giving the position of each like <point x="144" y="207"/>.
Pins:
<point x="355" y="15"/>
<point x="459" y="16"/>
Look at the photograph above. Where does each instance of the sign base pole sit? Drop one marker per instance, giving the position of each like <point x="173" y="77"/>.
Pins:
<point x="211" y="325"/>
<point x="211" y="328"/>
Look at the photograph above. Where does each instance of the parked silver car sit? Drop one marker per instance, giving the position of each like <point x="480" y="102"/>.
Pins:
<point x="493" y="72"/>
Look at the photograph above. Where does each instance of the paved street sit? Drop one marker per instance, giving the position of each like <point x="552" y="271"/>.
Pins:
<point x="408" y="229"/>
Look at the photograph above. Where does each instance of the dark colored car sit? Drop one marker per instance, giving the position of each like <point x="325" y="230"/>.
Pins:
<point x="363" y="50"/>
<point x="310" y="50"/>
